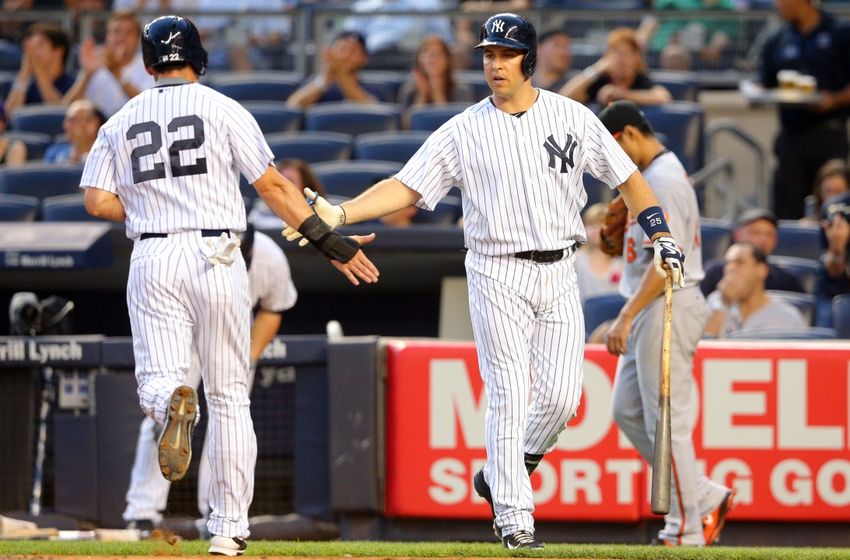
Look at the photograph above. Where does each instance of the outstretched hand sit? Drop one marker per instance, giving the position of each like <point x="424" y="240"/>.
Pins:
<point x="359" y="267"/>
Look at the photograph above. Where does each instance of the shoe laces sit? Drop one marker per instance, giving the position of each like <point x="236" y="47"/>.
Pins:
<point x="523" y="537"/>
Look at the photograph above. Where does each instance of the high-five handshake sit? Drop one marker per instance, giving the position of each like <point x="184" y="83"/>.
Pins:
<point x="331" y="214"/>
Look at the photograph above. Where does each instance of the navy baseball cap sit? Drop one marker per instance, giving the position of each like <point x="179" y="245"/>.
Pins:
<point x="620" y="114"/>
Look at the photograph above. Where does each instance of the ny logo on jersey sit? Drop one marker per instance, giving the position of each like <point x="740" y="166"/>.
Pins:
<point x="498" y="26"/>
<point x="565" y="154"/>
<point x="171" y="37"/>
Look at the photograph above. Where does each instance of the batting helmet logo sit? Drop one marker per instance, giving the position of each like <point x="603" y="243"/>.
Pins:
<point x="514" y="32"/>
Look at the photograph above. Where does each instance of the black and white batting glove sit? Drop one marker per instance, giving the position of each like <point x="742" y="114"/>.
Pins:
<point x="668" y="252"/>
<point x="331" y="214"/>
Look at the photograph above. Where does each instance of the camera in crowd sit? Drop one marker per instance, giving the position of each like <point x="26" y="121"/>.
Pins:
<point x="838" y="208"/>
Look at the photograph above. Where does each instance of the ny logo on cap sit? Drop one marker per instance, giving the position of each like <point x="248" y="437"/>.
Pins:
<point x="498" y="26"/>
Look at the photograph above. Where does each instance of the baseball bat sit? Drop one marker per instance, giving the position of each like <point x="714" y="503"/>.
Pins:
<point x="662" y="453"/>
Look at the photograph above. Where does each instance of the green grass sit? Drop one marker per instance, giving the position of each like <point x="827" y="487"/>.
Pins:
<point x="405" y="549"/>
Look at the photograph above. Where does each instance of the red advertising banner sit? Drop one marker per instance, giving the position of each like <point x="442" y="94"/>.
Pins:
<point x="773" y="420"/>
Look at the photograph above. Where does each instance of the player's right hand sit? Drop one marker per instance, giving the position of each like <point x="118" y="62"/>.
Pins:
<point x="331" y="214"/>
<point x="669" y="259"/>
<point x="359" y="267"/>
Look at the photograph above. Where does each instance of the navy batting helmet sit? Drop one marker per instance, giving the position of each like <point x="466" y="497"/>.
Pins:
<point x="171" y="40"/>
<point x="514" y="32"/>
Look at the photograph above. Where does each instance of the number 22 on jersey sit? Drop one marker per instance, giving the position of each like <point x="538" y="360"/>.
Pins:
<point x="157" y="170"/>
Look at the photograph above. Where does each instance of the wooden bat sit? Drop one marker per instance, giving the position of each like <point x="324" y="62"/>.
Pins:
<point x="662" y="455"/>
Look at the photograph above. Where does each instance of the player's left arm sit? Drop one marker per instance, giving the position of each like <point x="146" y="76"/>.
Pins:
<point x="643" y="203"/>
<point x="104" y="204"/>
<point x="265" y="327"/>
<point x="651" y="286"/>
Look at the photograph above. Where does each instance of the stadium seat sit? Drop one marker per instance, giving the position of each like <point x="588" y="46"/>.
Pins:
<point x="682" y="122"/>
<point x="312" y="147"/>
<point x="431" y="117"/>
<point x="807" y="333"/>
<point x="841" y="315"/>
<point x="447" y="212"/>
<point x="6" y="80"/>
<point x="39" y="117"/>
<point x="66" y="208"/>
<point x="601" y="308"/>
<point x="798" y="239"/>
<point x="805" y="303"/>
<point x="388" y="82"/>
<point x="476" y="80"/>
<point x="17" y="208"/>
<point x="274" y="117"/>
<point x="10" y="56"/>
<point x="350" y="178"/>
<point x="36" y="142"/>
<point x="805" y="270"/>
<point x="352" y="118"/>
<point x="389" y="146"/>
<point x="683" y="86"/>
<point x="716" y="235"/>
<point x="256" y="86"/>
<point x="41" y="179"/>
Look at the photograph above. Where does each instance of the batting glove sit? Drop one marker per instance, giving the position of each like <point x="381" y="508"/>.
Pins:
<point x="667" y="252"/>
<point x="331" y="214"/>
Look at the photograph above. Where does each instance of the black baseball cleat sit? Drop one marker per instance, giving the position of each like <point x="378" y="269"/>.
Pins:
<point x="227" y="546"/>
<point x="175" y="441"/>
<point x="520" y="540"/>
<point x="483" y="490"/>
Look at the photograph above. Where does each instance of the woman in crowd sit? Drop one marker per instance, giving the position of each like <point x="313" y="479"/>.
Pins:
<point x="301" y="174"/>
<point x="620" y="74"/>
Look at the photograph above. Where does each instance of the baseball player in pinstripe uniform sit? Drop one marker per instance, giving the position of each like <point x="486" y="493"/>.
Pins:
<point x="518" y="158"/>
<point x="272" y="292"/>
<point x="168" y="164"/>
<point x="636" y="335"/>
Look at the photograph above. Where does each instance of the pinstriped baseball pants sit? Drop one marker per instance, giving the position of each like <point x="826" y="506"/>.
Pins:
<point x="529" y="332"/>
<point x="176" y="299"/>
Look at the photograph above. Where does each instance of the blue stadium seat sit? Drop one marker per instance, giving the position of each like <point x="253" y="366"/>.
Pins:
<point x="807" y="333"/>
<point x="39" y="117"/>
<point x="389" y="146"/>
<point x="716" y="235"/>
<point x="6" y="80"/>
<point x="601" y="308"/>
<point x="447" y="212"/>
<point x="36" y="142"/>
<point x="17" y="208"/>
<point x="683" y="86"/>
<point x="798" y="239"/>
<point x="805" y="270"/>
<point x="805" y="303"/>
<point x="274" y="117"/>
<point x="10" y="56"/>
<point x="388" y="82"/>
<point x="431" y="117"/>
<point x="352" y="118"/>
<point x="350" y="178"/>
<point x="476" y="80"/>
<point x="841" y="315"/>
<point x="256" y="86"/>
<point x="66" y="208"/>
<point x="682" y="122"/>
<point x="312" y="147"/>
<point x="41" y="179"/>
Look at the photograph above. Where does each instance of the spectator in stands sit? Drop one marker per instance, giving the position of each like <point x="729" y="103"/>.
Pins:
<point x="705" y="39"/>
<point x="432" y="81"/>
<point x="833" y="279"/>
<point x="12" y="152"/>
<point x="339" y="79"/>
<point x="741" y="301"/>
<point x="301" y="174"/>
<point x="815" y="43"/>
<point x="554" y="58"/>
<point x="112" y="74"/>
<point x="597" y="272"/>
<point x="620" y="74"/>
<point x="82" y="121"/>
<point x="832" y="179"/>
<point x="756" y="227"/>
<point x="42" y="77"/>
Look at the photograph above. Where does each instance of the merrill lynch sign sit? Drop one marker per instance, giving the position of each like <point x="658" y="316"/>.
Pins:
<point x="21" y="350"/>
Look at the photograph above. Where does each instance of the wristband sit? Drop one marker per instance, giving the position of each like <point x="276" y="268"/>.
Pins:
<point x="653" y="223"/>
<point x="333" y="245"/>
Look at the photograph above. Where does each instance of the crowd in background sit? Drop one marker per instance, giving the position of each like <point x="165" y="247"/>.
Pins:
<point x="94" y="78"/>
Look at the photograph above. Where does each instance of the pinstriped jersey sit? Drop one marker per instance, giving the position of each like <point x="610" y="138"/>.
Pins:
<point x="672" y="186"/>
<point x="173" y="155"/>
<point x="269" y="279"/>
<point x="521" y="177"/>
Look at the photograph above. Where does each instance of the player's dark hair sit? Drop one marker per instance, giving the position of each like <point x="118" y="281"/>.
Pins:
<point x="162" y="68"/>
<point x="758" y="255"/>
<point x="645" y="128"/>
<point x="57" y="37"/>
